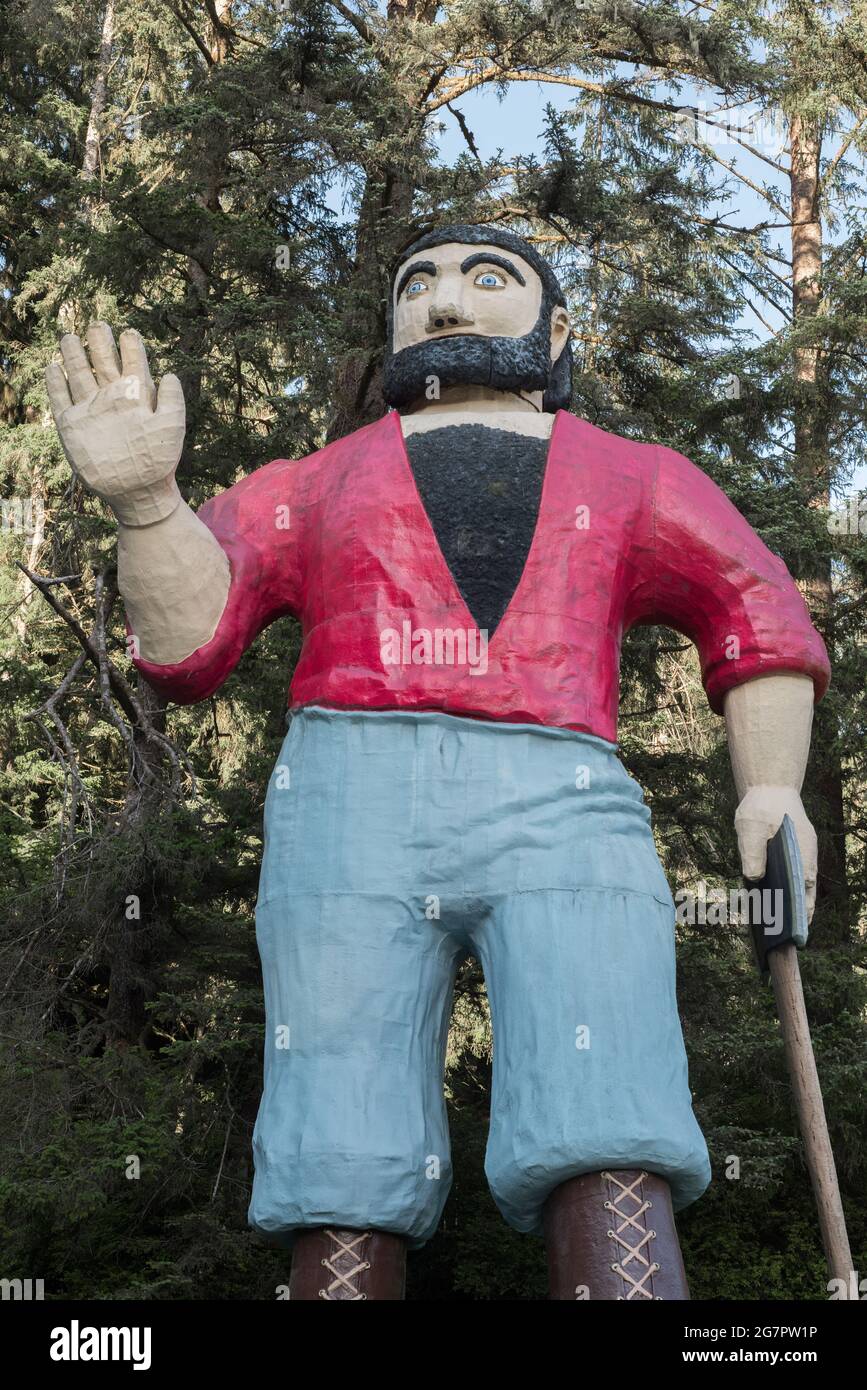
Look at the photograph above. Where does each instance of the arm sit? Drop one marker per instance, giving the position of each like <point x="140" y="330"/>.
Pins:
<point x="763" y="663"/>
<point x="197" y="588"/>
<point x="174" y="579"/>
<point x="768" y="722"/>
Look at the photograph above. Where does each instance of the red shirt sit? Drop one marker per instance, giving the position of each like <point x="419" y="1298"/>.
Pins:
<point x="627" y="533"/>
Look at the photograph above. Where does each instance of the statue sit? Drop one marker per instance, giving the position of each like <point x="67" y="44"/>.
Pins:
<point x="464" y="571"/>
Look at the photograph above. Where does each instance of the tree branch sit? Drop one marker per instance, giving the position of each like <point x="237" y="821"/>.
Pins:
<point x="465" y="131"/>
<point x="120" y="689"/>
<point x="829" y="172"/>
<point x="361" y="27"/>
<point x="199" y="42"/>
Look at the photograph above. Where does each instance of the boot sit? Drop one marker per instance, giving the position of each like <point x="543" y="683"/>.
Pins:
<point x="611" y="1235"/>
<point x="353" y="1265"/>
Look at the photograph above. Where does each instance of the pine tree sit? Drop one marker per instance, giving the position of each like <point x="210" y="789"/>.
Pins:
<point x="174" y="169"/>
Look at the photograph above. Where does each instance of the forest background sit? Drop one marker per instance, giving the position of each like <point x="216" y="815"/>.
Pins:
<point x="235" y="181"/>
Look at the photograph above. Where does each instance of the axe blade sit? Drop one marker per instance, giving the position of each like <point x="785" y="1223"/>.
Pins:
<point x="782" y="906"/>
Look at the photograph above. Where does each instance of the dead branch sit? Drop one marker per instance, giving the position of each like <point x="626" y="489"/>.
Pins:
<point x="113" y="686"/>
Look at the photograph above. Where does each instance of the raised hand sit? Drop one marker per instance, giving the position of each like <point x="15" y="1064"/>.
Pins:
<point x="121" y="436"/>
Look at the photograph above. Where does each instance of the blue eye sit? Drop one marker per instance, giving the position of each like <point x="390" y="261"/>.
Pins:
<point x="489" y="280"/>
<point x="417" y="287"/>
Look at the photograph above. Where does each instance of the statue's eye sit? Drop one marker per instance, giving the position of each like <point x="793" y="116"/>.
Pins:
<point x="490" y="280"/>
<point x="416" y="287"/>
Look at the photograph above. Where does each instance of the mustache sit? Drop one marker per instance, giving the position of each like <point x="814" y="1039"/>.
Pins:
<point x="469" y="359"/>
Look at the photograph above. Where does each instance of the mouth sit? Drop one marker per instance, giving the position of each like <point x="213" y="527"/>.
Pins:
<point x="444" y="328"/>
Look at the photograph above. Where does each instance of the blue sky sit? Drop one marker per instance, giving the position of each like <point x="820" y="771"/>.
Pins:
<point x="515" y="125"/>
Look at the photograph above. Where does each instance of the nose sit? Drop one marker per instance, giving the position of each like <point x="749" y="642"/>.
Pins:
<point x="447" y="316"/>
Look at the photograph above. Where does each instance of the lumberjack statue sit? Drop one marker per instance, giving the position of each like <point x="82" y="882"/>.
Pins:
<point x="464" y="571"/>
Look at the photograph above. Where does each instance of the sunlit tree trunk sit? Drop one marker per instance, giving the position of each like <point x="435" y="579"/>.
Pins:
<point x="813" y="469"/>
<point x="98" y="94"/>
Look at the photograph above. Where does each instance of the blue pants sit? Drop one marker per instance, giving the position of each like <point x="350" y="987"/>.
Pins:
<point x="397" y="842"/>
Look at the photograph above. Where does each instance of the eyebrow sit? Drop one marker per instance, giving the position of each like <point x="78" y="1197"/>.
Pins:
<point x="477" y="258"/>
<point x="426" y="267"/>
<point x="485" y="258"/>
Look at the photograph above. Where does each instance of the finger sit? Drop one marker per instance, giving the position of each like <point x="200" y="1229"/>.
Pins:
<point x="134" y="360"/>
<point x="103" y="353"/>
<point x="170" y="397"/>
<point x="58" y="389"/>
<point x="82" y="382"/>
<point x="753" y="847"/>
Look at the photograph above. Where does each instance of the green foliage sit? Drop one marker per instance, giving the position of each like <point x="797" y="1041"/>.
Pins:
<point x="140" y="1035"/>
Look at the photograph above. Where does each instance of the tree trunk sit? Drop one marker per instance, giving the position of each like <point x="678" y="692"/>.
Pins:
<point x="384" y="225"/>
<point x="98" y="95"/>
<point x="36" y="537"/>
<point x="824" y="784"/>
<point x="146" y="900"/>
<point x="220" y="45"/>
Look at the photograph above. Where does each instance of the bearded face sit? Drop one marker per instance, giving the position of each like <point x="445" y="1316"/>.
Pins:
<point x="476" y="314"/>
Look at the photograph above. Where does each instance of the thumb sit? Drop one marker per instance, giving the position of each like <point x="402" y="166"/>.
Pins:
<point x="170" y="397"/>
<point x="753" y="847"/>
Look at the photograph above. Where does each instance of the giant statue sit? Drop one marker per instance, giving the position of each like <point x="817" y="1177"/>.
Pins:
<point x="464" y="571"/>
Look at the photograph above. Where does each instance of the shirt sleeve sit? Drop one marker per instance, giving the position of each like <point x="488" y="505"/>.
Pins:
<point x="709" y="576"/>
<point x="259" y="524"/>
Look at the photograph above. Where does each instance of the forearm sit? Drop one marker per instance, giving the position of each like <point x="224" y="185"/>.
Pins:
<point x="174" y="579"/>
<point x="768" y="722"/>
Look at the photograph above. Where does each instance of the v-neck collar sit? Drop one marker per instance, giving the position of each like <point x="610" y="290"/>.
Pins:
<point x="441" y="561"/>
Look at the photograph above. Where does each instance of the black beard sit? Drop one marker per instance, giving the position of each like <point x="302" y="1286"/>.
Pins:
<point x="469" y="359"/>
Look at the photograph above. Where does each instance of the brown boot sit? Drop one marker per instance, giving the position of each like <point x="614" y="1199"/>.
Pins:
<point x="611" y="1235"/>
<point x="354" y="1265"/>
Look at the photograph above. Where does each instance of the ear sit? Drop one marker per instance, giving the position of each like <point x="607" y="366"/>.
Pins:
<point x="559" y="331"/>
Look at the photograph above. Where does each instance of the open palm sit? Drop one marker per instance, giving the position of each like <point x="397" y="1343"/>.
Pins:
<point x="121" y="436"/>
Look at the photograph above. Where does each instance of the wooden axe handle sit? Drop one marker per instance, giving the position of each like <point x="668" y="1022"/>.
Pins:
<point x="786" y="978"/>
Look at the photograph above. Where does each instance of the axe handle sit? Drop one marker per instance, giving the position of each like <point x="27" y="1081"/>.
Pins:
<point x="786" y="978"/>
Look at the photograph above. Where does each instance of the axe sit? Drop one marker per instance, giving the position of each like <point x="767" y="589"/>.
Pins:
<point x="776" y="946"/>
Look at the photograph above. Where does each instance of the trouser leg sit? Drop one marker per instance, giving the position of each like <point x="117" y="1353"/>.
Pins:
<point x="351" y="1132"/>
<point x="362" y="832"/>
<point x="590" y="1072"/>
<point x="611" y="1236"/>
